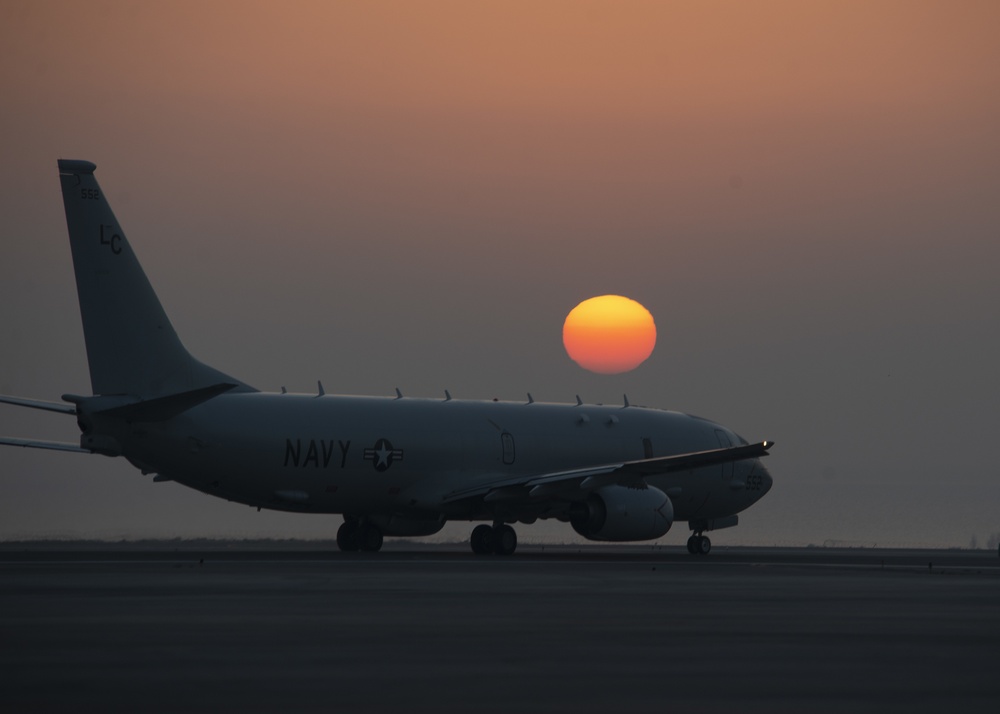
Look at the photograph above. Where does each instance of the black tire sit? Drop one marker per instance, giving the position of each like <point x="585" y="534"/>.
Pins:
<point x="482" y="539"/>
<point x="504" y="540"/>
<point x="693" y="545"/>
<point x="370" y="538"/>
<point x="704" y="545"/>
<point x="347" y="537"/>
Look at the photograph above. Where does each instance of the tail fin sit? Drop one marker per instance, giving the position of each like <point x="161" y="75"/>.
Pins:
<point x="131" y="346"/>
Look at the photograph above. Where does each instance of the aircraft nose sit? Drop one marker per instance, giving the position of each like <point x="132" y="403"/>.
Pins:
<point x="765" y="479"/>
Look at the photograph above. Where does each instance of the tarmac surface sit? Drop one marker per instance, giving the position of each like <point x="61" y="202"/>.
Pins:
<point x="432" y="628"/>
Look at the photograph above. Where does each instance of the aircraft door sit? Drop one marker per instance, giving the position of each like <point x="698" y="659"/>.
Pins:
<point x="507" y="448"/>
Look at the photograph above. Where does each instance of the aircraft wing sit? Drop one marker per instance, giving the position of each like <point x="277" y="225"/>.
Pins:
<point x="625" y="473"/>
<point x="35" y="444"/>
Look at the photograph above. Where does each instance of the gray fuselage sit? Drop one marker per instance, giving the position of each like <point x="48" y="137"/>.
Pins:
<point x="372" y="455"/>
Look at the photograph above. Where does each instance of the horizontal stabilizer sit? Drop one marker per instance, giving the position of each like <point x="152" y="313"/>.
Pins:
<point x="51" y="445"/>
<point x="163" y="408"/>
<point x="38" y="404"/>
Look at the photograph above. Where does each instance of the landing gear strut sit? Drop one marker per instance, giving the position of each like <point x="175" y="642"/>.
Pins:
<point x="498" y="538"/>
<point x="356" y="535"/>
<point x="699" y="544"/>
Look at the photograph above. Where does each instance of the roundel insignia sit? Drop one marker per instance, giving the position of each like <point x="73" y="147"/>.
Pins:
<point x="382" y="455"/>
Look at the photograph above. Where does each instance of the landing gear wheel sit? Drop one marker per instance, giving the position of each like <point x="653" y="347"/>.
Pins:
<point x="699" y="545"/>
<point x="370" y="538"/>
<point x="348" y="539"/>
<point x="504" y="540"/>
<point x="482" y="539"/>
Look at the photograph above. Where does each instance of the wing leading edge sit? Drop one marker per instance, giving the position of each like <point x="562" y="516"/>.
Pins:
<point x="625" y="473"/>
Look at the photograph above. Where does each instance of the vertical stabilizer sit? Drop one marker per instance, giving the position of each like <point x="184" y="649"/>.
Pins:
<point x="131" y="346"/>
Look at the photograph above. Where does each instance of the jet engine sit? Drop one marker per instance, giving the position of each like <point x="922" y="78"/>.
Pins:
<point x="621" y="513"/>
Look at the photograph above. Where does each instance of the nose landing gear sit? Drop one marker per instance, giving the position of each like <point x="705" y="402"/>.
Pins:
<point x="699" y="544"/>
<point x="498" y="538"/>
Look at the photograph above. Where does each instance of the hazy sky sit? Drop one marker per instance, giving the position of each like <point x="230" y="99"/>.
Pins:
<point x="414" y="195"/>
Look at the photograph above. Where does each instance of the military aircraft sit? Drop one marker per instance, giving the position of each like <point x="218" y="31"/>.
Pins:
<point x="392" y="466"/>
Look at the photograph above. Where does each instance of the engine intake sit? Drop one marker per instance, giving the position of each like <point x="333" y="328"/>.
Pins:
<point x="618" y="513"/>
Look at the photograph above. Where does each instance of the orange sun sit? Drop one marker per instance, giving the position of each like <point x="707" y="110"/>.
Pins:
<point x="609" y="334"/>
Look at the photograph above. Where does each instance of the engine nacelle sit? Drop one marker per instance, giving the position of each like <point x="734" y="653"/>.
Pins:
<point x="402" y="527"/>
<point x="621" y="513"/>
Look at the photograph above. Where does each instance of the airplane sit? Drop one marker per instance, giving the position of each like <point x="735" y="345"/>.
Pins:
<point x="391" y="466"/>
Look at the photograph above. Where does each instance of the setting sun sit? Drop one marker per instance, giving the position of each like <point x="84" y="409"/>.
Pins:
<point x="609" y="334"/>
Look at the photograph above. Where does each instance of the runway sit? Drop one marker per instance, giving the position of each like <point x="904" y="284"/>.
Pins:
<point x="433" y="628"/>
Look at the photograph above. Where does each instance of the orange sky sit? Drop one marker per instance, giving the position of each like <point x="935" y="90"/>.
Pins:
<point x="609" y="60"/>
<point x="415" y="194"/>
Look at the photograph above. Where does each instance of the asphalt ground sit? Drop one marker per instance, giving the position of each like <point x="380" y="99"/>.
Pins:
<point x="418" y="627"/>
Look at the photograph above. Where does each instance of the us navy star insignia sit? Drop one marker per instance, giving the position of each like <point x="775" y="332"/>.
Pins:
<point x="382" y="455"/>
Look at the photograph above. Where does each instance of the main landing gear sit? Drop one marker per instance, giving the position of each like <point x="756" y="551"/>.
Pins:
<point x="498" y="538"/>
<point x="699" y="544"/>
<point x="358" y="535"/>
